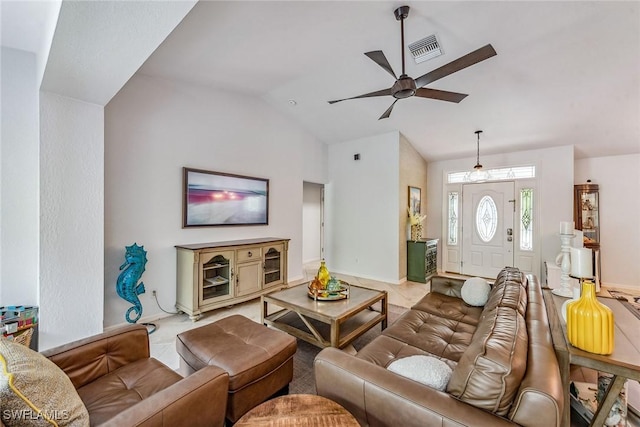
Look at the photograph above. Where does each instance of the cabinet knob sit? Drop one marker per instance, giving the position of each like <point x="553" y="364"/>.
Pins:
<point x="249" y="254"/>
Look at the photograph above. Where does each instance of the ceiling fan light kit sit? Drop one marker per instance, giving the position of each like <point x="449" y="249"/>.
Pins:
<point x="406" y="87"/>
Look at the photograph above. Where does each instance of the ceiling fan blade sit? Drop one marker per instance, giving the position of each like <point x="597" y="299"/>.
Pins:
<point x="387" y="113"/>
<point x="465" y="61"/>
<point x="378" y="57"/>
<point x="382" y="92"/>
<point x="441" y="95"/>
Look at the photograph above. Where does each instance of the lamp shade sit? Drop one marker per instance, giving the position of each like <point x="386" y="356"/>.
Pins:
<point x="581" y="263"/>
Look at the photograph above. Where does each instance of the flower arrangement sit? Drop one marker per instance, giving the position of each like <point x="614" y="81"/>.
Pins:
<point x="415" y="219"/>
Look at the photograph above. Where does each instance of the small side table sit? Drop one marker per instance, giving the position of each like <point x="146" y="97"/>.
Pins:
<point x="298" y="410"/>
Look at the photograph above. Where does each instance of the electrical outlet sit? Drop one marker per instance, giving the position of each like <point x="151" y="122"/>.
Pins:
<point x="153" y="292"/>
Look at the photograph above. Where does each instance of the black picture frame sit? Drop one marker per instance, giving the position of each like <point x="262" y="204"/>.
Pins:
<point x="212" y="199"/>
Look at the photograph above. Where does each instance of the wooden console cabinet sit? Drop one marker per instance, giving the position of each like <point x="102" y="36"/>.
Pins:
<point x="219" y="274"/>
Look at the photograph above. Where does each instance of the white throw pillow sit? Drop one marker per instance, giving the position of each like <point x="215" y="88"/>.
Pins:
<point x="423" y="369"/>
<point x="475" y="291"/>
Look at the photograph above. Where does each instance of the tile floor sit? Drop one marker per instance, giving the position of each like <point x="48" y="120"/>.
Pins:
<point x="162" y="341"/>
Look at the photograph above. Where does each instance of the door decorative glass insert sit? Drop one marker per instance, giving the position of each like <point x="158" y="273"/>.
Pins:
<point x="453" y="218"/>
<point x="526" y="219"/>
<point x="486" y="219"/>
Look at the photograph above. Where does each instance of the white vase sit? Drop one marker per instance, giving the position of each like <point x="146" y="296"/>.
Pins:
<point x="563" y="309"/>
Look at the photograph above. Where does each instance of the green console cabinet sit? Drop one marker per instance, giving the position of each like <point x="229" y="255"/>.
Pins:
<point x="422" y="259"/>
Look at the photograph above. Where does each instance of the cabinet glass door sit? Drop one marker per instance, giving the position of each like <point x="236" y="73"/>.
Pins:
<point x="587" y="216"/>
<point x="273" y="266"/>
<point x="216" y="277"/>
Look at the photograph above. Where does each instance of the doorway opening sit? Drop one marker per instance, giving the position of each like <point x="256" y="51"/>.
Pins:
<point x="312" y="222"/>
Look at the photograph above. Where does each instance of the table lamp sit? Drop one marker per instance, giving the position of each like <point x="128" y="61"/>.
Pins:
<point x="581" y="264"/>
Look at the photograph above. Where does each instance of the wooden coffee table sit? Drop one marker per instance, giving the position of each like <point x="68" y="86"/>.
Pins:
<point x="298" y="410"/>
<point x="326" y="323"/>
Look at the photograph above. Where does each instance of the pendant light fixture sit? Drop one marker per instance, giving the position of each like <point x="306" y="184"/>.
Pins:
<point x="478" y="174"/>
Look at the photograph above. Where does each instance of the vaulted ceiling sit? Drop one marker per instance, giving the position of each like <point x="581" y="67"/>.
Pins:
<point x="565" y="72"/>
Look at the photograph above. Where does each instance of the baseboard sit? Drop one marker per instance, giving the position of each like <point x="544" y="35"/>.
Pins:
<point x="620" y="287"/>
<point x="361" y="276"/>
<point x="142" y="320"/>
<point x="299" y="280"/>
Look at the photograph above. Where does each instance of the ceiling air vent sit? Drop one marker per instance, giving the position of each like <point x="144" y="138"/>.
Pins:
<point x="425" y="49"/>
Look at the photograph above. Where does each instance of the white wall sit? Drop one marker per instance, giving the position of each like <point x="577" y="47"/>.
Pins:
<point x="361" y="207"/>
<point x="553" y="200"/>
<point x="19" y="171"/>
<point x="311" y="218"/>
<point x="71" y="219"/>
<point x="618" y="178"/>
<point x="152" y="129"/>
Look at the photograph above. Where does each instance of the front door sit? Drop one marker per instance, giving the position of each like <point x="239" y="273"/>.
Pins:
<point x="487" y="228"/>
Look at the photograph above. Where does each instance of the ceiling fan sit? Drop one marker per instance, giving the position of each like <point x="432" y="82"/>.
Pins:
<point x="406" y="87"/>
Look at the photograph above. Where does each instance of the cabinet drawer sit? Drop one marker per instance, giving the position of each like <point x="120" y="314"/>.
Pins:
<point x="249" y="254"/>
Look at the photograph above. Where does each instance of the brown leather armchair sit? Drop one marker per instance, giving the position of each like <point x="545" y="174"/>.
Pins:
<point x="121" y="385"/>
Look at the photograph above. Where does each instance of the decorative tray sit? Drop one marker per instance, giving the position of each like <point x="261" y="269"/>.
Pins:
<point x="333" y="295"/>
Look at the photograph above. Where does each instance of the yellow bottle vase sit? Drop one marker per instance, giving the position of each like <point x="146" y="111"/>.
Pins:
<point x="590" y="323"/>
<point x="323" y="274"/>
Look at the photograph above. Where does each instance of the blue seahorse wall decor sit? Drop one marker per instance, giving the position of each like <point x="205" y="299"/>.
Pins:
<point x="127" y="286"/>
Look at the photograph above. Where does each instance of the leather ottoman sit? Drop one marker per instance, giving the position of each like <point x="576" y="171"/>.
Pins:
<point x="259" y="360"/>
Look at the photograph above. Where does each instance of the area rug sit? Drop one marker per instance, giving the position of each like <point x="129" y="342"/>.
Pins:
<point x="628" y="299"/>
<point x="303" y="380"/>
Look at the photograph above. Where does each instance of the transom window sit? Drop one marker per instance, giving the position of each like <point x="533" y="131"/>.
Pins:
<point x="500" y="174"/>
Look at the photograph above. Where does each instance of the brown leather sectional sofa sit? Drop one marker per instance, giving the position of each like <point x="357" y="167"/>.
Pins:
<point x="505" y="371"/>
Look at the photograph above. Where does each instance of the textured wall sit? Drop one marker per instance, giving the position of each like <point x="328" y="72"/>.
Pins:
<point x="71" y="219"/>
